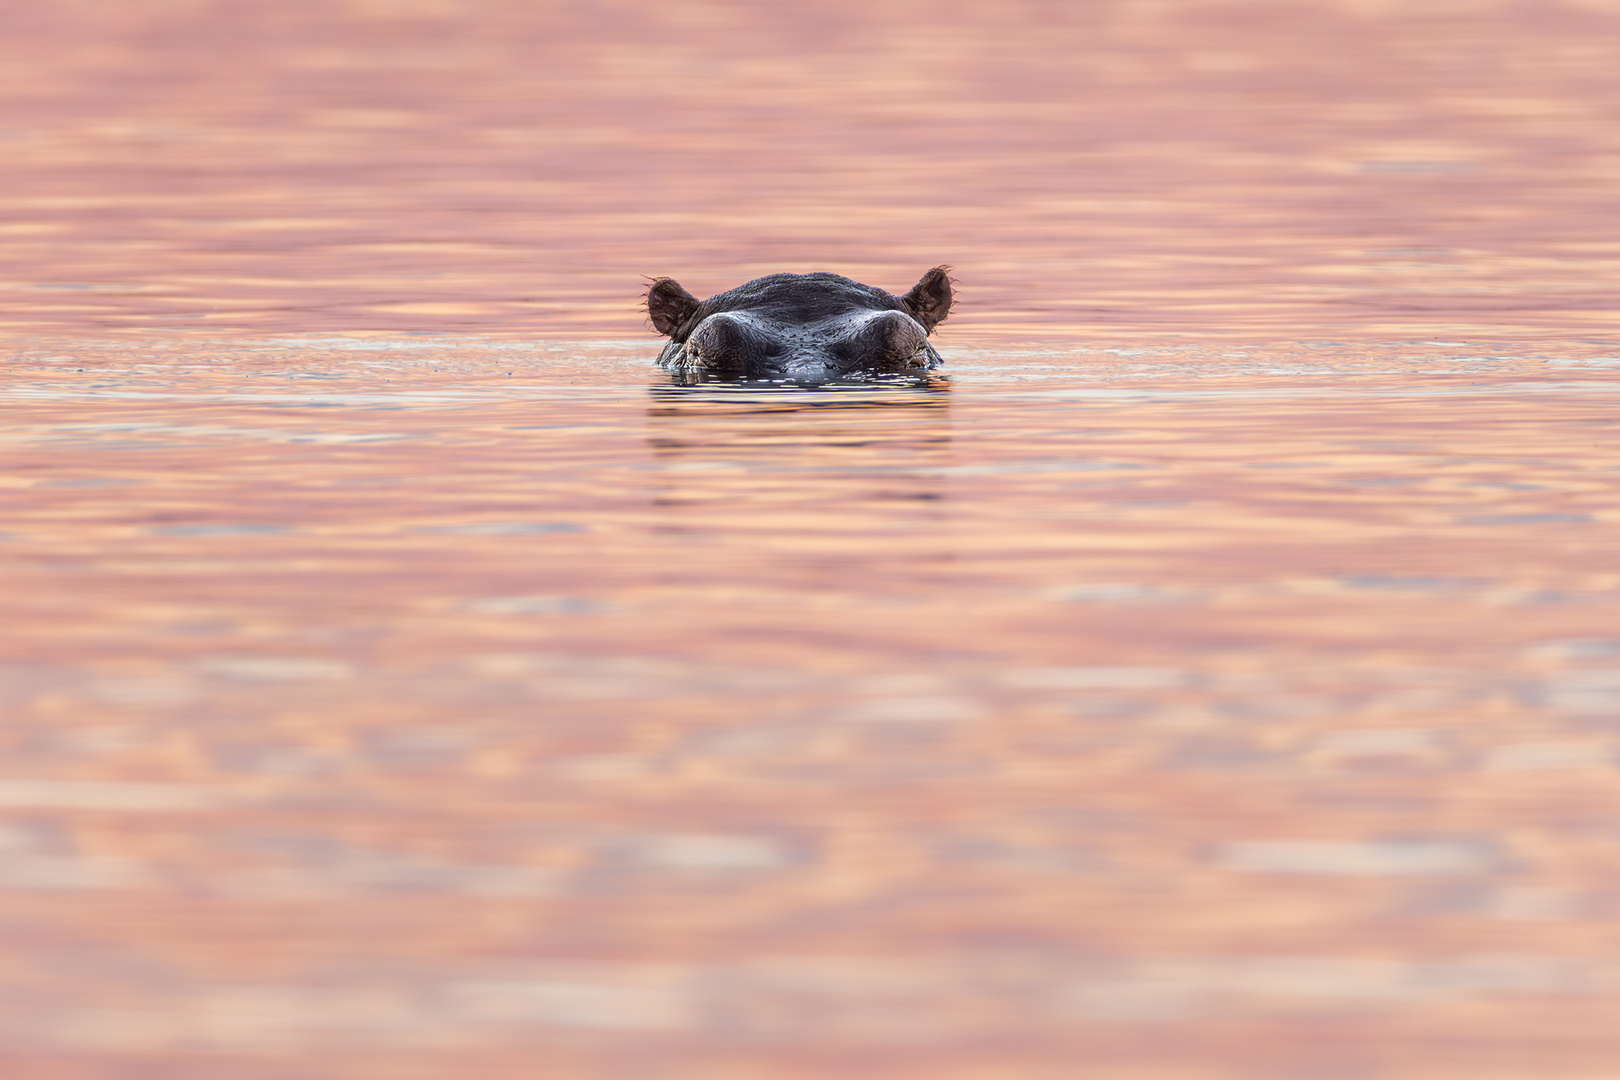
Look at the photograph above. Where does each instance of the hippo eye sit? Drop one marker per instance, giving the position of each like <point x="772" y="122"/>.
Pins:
<point x="893" y="339"/>
<point x="726" y="342"/>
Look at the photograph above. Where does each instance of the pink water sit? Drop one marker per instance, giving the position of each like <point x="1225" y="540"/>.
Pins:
<point x="1212" y="673"/>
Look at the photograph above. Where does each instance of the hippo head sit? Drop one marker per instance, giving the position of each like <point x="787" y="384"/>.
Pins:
<point x="800" y="327"/>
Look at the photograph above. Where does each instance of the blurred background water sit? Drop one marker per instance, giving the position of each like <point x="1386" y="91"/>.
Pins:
<point x="1211" y="672"/>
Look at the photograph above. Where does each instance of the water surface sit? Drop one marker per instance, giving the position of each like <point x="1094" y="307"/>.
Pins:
<point x="1211" y="672"/>
<point x="1177" y="706"/>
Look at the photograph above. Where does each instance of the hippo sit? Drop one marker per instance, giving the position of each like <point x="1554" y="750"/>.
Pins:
<point x="801" y="328"/>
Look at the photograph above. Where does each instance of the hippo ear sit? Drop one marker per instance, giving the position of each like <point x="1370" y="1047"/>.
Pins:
<point x="929" y="301"/>
<point x="669" y="305"/>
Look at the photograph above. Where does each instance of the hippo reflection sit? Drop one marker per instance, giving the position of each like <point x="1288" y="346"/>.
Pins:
<point x="800" y="327"/>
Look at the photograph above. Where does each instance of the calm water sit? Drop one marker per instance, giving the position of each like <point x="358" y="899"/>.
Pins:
<point x="1213" y="672"/>
<point x="1183" y="708"/>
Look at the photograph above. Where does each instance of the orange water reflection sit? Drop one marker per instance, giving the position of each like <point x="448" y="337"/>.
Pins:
<point x="1149" y="167"/>
<point x="1213" y="673"/>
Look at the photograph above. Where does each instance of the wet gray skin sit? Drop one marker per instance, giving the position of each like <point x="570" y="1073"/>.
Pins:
<point x="799" y="327"/>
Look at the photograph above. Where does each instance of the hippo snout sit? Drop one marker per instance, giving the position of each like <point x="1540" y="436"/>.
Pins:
<point x="800" y="327"/>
